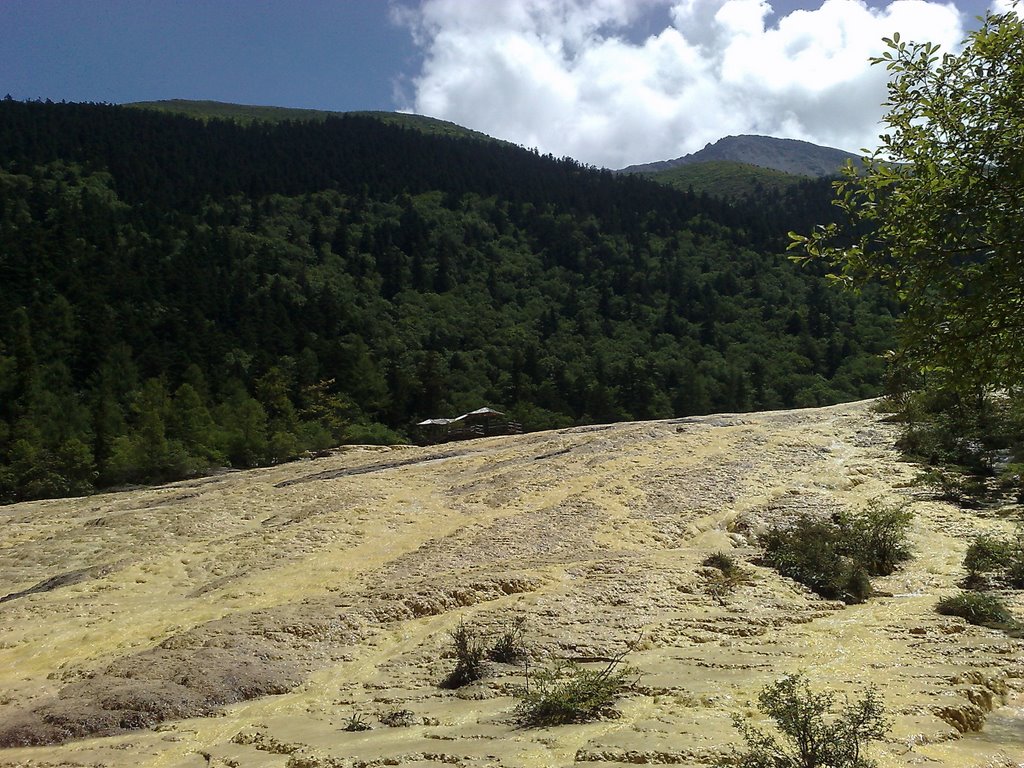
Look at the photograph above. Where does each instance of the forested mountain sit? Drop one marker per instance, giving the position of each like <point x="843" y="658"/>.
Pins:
<point x="180" y="294"/>
<point x="725" y="178"/>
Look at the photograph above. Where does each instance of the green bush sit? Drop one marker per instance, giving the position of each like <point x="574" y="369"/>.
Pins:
<point x="953" y="485"/>
<point x="944" y="428"/>
<point x="980" y="608"/>
<point x="808" y="734"/>
<point x="570" y="693"/>
<point x="877" y="538"/>
<point x="1011" y="480"/>
<point x="373" y="433"/>
<point x="836" y="557"/>
<point x="1015" y="570"/>
<point x="989" y="557"/>
<point x="960" y="435"/>
<point x="813" y="553"/>
<point x="987" y="554"/>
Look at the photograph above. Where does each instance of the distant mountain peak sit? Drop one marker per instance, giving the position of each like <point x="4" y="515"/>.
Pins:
<point x="788" y="155"/>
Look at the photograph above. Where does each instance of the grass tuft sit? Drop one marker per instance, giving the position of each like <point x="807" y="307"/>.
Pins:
<point x="981" y="608"/>
<point x="469" y="655"/>
<point x="510" y="648"/>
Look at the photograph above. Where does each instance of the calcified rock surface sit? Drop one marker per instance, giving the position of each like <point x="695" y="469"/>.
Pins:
<point x="243" y="619"/>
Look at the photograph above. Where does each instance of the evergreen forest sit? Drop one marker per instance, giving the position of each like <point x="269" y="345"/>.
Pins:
<point x="180" y="294"/>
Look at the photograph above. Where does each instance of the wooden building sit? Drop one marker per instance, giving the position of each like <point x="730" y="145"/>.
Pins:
<point x="483" y="422"/>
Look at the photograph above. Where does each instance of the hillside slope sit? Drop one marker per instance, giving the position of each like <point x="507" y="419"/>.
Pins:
<point x="285" y="601"/>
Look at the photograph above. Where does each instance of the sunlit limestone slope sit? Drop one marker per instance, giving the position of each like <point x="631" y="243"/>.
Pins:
<point x="244" y="619"/>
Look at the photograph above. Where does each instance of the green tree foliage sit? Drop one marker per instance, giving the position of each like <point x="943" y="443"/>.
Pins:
<point x="938" y="211"/>
<point x="207" y="297"/>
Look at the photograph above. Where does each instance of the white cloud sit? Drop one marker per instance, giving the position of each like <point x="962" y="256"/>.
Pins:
<point x="566" y="76"/>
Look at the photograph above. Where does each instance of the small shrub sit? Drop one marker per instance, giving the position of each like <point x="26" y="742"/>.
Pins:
<point x="398" y="718"/>
<point x="980" y="608"/>
<point x="1015" y="569"/>
<point x="356" y="723"/>
<point x="836" y="557"/>
<point x="728" y="575"/>
<point x="509" y="647"/>
<point x="1011" y="480"/>
<point x="722" y="561"/>
<point x="989" y="557"/>
<point x="569" y="693"/>
<point x="953" y="487"/>
<point x="877" y="537"/>
<point x="812" y="552"/>
<point x="943" y="428"/>
<point x="808" y="733"/>
<point x="469" y="655"/>
<point x="856" y="585"/>
<point x="986" y="555"/>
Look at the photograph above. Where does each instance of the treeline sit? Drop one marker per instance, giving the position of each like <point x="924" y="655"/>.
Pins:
<point x="179" y="295"/>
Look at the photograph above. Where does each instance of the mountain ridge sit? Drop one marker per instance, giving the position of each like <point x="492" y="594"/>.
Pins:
<point x="763" y="153"/>
<point x="792" y="156"/>
<point x="250" y="113"/>
<point x="729" y="179"/>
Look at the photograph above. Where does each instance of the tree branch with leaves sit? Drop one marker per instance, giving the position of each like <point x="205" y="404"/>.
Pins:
<point x="937" y="211"/>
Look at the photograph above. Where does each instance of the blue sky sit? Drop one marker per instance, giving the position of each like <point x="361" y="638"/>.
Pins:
<point x="304" y="53"/>
<point x="557" y="74"/>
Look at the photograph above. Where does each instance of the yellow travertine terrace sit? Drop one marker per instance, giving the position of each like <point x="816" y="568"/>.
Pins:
<point x="245" y="619"/>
